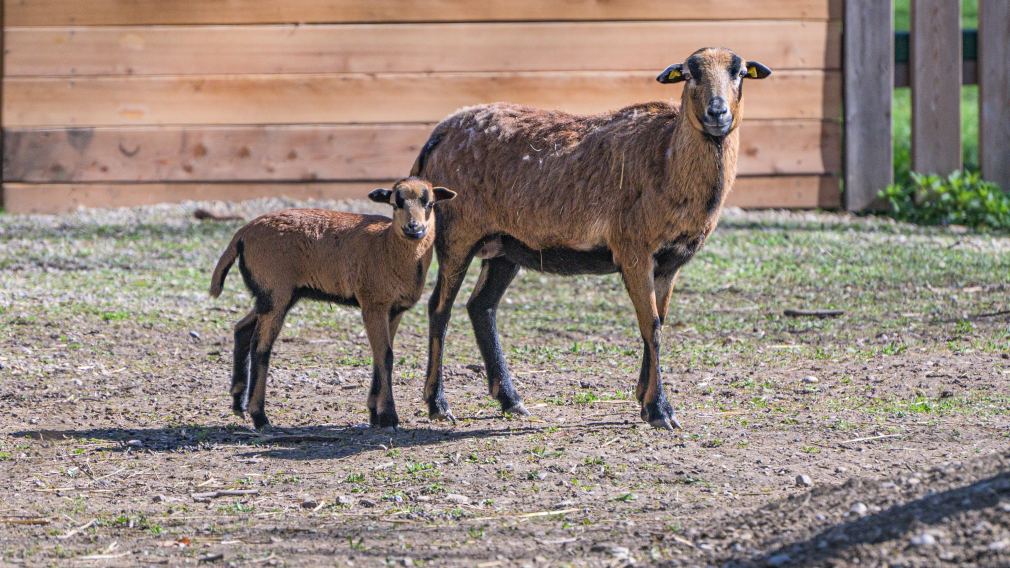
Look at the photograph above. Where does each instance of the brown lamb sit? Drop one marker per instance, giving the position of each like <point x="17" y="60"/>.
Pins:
<point x="636" y="191"/>
<point x="369" y="261"/>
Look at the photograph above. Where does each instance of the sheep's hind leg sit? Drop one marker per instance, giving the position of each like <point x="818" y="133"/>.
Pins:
<point x="656" y="410"/>
<point x="240" y="369"/>
<point x="495" y="276"/>
<point x="451" y="270"/>
<point x="381" y="407"/>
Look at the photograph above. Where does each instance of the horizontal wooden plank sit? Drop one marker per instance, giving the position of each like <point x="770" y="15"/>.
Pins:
<point x="285" y="99"/>
<point x="754" y="192"/>
<point x="391" y="48"/>
<point x="148" y="12"/>
<point x="326" y="152"/>
<point x="786" y="192"/>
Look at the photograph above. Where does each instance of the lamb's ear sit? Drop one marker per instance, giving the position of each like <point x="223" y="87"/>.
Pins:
<point x="380" y="195"/>
<point x="443" y="193"/>
<point x="757" y="71"/>
<point x="672" y="74"/>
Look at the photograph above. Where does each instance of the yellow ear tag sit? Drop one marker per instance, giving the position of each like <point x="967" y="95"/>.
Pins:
<point x="752" y="71"/>
<point x="675" y="74"/>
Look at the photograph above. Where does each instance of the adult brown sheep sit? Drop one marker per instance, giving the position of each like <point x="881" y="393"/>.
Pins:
<point x="636" y="191"/>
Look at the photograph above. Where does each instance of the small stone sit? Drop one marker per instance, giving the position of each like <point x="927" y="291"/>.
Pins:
<point x="309" y="504"/>
<point x="345" y="500"/>
<point x="923" y="539"/>
<point x="457" y="498"/>
<point x="780" y="560"/>
<point x="366" y="503"/>
<point x="194" y="335"/>
<point x="810" y="380"/>
<point x="999" y="545"/>
<point x="135" y="444"/>
<point x="859" y="509"/>
<point x="158" y="498"/>
<point x="914" y="481"/>
<point x="841" y="469"/>
<point x="804" y="481"/>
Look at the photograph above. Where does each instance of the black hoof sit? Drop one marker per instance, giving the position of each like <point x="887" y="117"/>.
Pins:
<point x="260" y="421"/>
<point x="518" y="409"/>
<point x="438" y="409"/>
<point x="660" y="414"/>
<point x="237" y="405"/>
<point x="383" y="420"/>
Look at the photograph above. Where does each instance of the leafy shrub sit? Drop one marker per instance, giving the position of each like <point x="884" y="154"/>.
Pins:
<point x="962" y="198"/>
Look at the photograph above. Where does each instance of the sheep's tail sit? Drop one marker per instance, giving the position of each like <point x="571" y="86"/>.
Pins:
<point x="224" y="264"/>
<point x="422" y="157"/>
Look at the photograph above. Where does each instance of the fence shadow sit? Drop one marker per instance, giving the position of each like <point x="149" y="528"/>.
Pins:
<point x="890" y="524"/>
<point x="304" y="443"/>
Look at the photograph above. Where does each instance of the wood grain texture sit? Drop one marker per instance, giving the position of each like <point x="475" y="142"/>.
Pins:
<point x="390" y="48"/>
<point x="936" y="89"/>
<point x="994" y="91"/>
<point x="152" y="12"/>
<point x="286" y="99"/>
<point x="324" y="152"/>
<point x="869" y="56"/>
<point x="760" y="192"/>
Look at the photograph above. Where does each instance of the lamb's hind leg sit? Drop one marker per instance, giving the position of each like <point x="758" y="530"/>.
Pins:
<point x="495" y="276"/>
<point x="268" y="327"/>
<point x="240" y="369"/>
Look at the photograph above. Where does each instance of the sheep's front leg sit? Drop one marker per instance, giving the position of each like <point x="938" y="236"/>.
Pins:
<point x="381" y="408"/>
<point x="638" y="279"/>
<point x="451" y="270"/>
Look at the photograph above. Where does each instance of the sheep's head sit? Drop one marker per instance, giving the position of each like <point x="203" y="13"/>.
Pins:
<point x="714" y="88"/>
<point x="413" y="200"/>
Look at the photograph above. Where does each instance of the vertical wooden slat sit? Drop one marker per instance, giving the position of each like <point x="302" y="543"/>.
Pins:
<point x="936" y="85"/>
<point x="994" y="91"/>
<point x="2" y="57"/>
<point x="869" y="76"/>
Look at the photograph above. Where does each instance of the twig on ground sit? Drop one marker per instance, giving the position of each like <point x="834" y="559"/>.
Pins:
<point x="72" y="532"/>
<point x="812" y="313"/>
<point x="223" y="493"/>
<point x="205" y="215"/>
<point x="25" y="520"/>
<point x="871" y="438"/>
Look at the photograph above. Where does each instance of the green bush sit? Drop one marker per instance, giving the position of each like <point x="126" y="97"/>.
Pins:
<point x="962" y="198"/>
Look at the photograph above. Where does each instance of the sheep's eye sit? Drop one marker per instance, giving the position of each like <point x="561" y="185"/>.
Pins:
<point x="399" y="200"/>
<point x="743" y="72"/>
<point x="424" y="202"/>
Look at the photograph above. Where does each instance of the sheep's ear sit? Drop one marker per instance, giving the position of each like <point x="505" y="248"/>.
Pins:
<point x="757" y="71"/>
<point x="443" y="193"/>
<point x="672" y="74"/>
<point x="380" y="195"/>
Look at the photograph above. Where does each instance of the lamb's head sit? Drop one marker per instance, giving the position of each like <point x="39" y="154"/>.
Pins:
<point x="413" y="200"/>
<point x="714" y="88"/>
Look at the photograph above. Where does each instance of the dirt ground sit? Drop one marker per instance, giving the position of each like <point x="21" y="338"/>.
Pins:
<point x="881" y="437"/>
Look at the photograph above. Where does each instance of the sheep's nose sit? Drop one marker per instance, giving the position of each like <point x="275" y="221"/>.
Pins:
<point x="413" y="226"/>
<point x="717" y="108"/>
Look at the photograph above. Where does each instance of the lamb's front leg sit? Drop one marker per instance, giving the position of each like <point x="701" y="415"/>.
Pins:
<point x="638" y="279"/>
<point x="381" y="408"/>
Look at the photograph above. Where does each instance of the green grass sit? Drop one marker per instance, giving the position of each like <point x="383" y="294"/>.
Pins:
<point x="969" y="14"/>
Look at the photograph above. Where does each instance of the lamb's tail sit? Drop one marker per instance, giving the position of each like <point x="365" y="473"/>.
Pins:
<point x="422" y="156"/>
<point x="224" y="264"/>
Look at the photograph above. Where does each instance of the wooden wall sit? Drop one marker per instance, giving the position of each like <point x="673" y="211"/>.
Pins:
<point x="124" y="102"/>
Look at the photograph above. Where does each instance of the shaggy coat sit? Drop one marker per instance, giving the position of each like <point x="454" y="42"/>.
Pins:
<point x="369" y="261"/>
<point x="636" y="191"/>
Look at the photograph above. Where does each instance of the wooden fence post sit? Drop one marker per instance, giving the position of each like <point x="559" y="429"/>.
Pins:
<point x="869" y="80"/>
<point x="994" y="91"/>
<point x="936" y="86"/>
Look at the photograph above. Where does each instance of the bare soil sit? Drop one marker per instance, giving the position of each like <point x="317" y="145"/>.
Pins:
<point x="876" y="438"/>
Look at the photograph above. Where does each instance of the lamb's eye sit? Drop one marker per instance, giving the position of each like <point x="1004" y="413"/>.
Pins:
<point x="399" y="200"/>
<point x="743" y="72"/>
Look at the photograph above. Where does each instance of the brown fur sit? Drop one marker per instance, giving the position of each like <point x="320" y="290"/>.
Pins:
<point x="640" y="188"/>
<point x="364" y="260"/>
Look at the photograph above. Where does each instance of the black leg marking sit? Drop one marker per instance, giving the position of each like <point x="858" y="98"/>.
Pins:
<point x="496" y="276"/>
<point x="241" y="360"/>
